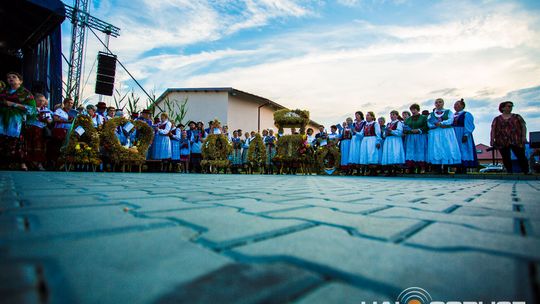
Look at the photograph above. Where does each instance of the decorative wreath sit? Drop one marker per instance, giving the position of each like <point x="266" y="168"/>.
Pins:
<point x="286" y="118"/>
<point x="328" y="158"/>
<point x="119" y="153"/>
<point x="291" y="149"/>
<point x="256" y="152"/>
<point x="83" y="149"/>
<point x="215" y="151"/>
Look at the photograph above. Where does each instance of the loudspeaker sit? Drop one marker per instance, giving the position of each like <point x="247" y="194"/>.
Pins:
<point x="534" y="139"/>
<point x="105" y="74"/>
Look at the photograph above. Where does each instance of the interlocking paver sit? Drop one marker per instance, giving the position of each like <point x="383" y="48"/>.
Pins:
<point x="162" y="203"/>
<point x="389" y="267"/>
<point x="446" y="236"/>
<point x="225" y="226"/>
<point x="248" y="205"/>
<point x="365" y="225"/>
<point x="258" y="283"/>
<point x="135" y="267"/>
<point x="493" y="224"/>
<point x="64" y="201"/>
<point x="144" y="238"/>
<point x="78" y="222"/>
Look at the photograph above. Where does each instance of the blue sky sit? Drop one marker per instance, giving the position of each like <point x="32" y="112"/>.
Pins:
<point x="334" y="57"/>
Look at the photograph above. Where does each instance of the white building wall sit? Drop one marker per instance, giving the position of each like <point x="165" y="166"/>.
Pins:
<point x="237" y="113"/>
<point x="202" y="106"/>
<point x="242" y="114"/>
<point x="267" y="119"/>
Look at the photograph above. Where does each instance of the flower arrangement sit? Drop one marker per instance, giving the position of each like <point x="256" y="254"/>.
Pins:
<point x="292" y="152"/>
<point x="286" y="118"/>
<point x="328" y="158"/>
<point x="215" y="152"/>
<point x="118" y="153"/>
<point x="256" y="152"/>
<point x="82" y="149"/>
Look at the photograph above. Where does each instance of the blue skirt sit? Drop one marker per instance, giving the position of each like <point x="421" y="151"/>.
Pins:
<point x="469" y="158"/>
<point x="175" y="149"/>
<point x="416" y="147"/>
<point x="393" y="153"/>
<point x="345" y="146"/>
<point x="162" y="147"/>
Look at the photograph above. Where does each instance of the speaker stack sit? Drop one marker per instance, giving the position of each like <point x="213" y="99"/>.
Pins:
<point x="105" y="74"/>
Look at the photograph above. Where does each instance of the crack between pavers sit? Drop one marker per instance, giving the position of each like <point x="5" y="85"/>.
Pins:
<point x="176" y="209"/>
<point x="92" y="234"/>
<point x="402" y="236"/>
<point x="449" y="223"/>
<point x="251" y="239"/>
<point x="469" y="249"/>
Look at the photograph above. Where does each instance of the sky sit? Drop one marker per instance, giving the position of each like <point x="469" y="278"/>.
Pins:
<point x="331" y="57"/>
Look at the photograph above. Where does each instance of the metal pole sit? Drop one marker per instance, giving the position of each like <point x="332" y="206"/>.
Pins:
<point x="259" y="116"/>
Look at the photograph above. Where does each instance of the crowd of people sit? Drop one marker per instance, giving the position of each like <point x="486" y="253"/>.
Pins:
<point x="415" y="141"/>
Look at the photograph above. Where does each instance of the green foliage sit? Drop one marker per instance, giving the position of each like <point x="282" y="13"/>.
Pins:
<point x="257" y="152"/>
<point x="82" y="149"/>
<point x="286" y="118"/>
<point x="133" y="102"/>
<point x="290" y="148"/>
<point x="119" y="153"/>
<point x="119" y="98"/>
<point x="215" y="152"/>
<point x="176" y="113"/>
<point x="328" y="157"/>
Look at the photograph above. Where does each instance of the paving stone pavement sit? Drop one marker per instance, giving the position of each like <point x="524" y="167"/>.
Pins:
<point x="161" y="238"/>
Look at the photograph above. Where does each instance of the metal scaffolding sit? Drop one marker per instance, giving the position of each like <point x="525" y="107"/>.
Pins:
<point x="80" y="19"/>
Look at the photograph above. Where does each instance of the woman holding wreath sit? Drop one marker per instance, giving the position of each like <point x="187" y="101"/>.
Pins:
<point x="16" y="105"/>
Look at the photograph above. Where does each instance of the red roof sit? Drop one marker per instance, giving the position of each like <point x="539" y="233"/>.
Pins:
<point x="483" y="154"/>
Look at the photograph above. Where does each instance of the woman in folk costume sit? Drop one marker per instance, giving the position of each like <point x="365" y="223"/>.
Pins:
<point x="196" y="138"/>
<point x="416" y="144"/>
<point x="245" y="146"/>
<point x="382" y="123"/>
<point x="404" y="116"/>
<point x="63" y="120"/>
<point x="393" y="153"/>
<point x="35" y="133"/>
<point x="162" y="142"/>
<point x="463" y="127"/>
<point x="16" y="105"/>
<point x="345" y="145"/>
<point x="121" y="133"/>
<point x="185" y="151"/>
<point x="175" y="136"/>
<point x="371" y="143"/>
<point x="97" y="120"/>
<point x="443" y="149"/>
<point x="270" y="145"/>
<point x="236" y="158"/>
<point x="215" y="128"/>
<point x="356" y="141"/>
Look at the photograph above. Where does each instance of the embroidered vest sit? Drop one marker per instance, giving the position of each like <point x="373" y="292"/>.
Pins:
<point x="369" y="130"/>
<point x="459" y="120"/>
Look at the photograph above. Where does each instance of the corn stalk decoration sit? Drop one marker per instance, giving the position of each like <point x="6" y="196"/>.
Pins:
<point x="176" y="113"/>
<point x="133" y="103"/>
<point x="119" y="99"/>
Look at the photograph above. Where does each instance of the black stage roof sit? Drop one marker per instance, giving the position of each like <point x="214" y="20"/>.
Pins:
<point x="25" y="22"/>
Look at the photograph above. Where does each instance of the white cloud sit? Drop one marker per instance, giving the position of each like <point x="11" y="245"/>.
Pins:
<point x="482" y="51"/>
